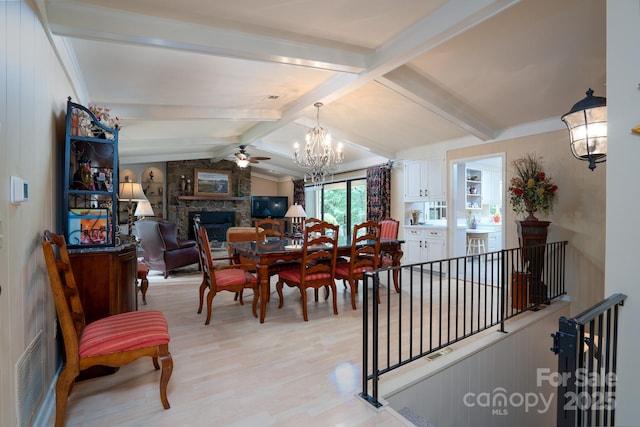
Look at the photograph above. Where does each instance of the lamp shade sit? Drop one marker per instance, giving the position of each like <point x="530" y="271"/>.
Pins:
<point x="295" y="211"/>
<point x="587" y="125"/>
<point x="131" y="191"/>
<point x="144" y="209"/>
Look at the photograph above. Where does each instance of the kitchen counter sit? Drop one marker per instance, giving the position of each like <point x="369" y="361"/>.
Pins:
<point x="430" y="226"/>
<point x="440" y="224"/>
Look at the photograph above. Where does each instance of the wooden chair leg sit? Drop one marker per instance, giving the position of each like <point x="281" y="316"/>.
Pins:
<point x="256" y="295"/>
<point x="63" y="389"/>
<point x="335" y="298"/>
<point x="144" y="285"/>
<point x="210" y="295"/>
<point x="279" y="289"/>
<point x="395" y="280"/>
<point x="167" y="369"/>
<point x="354" y="290"/>
<point x="155" y="363"/>
<point x="203" y="286"/>
<point x="304" y="304"/>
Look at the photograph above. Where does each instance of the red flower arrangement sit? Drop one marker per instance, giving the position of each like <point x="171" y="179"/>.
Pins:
<point x="531" y="190"/>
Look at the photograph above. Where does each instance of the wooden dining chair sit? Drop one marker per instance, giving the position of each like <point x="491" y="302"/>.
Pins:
<point x="389" y="230"/>
<point x="241" y="234"/>
<point x="317" y="266"/>
<point x="364" y="256"/>
<point x="113" y="341"/>
<point x="232" y="277"/>
<point x="269" y="227"/>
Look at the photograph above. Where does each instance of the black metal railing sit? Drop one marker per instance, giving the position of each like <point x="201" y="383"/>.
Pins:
<point x="586" y="346"/>
<point x="443" y="302"/>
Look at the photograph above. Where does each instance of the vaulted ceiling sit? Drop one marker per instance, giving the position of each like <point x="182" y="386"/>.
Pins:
<point x="195" y="79"/>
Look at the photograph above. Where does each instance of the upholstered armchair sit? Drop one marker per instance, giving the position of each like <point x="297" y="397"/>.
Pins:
<point x="163" y="250"/>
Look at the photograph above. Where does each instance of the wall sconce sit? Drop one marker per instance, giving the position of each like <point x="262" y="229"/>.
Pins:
<point x="587" y="124"/>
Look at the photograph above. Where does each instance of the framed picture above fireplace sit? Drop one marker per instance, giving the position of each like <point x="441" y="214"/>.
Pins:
<point x="209" y="182"/>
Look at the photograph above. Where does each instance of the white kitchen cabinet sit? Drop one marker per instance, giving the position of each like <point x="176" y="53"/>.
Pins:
<point x="487" y="187"/>
<point x="424" y="180"/>
<point x="494" y="240"/>
<point x="424" y="244"/>
<point x="413" y="183"/>
<point x="491" y="187"/>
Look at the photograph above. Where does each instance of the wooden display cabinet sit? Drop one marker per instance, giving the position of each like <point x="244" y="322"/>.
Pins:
<point x="106" y="279"/>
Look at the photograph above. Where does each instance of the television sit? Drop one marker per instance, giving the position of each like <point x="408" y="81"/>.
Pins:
<point x="269" y="206"/>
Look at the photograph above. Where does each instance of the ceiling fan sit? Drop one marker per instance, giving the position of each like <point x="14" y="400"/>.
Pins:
<point x="243" y="158"/>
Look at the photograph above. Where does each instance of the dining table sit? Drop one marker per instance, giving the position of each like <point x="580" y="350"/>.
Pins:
<point x="275" y="255"/>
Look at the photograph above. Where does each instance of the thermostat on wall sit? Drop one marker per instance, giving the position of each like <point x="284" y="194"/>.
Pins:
<point x="19" y="190"/>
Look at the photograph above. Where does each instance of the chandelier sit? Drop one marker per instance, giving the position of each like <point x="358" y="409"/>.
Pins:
<point x="318" y="156"/>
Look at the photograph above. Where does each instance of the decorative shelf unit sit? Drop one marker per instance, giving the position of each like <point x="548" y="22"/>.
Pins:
<point x="89" y="204"/>
<point x="473" y="189"/>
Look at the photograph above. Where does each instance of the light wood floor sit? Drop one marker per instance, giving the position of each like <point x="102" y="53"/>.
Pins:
<point x="238" y="372"/>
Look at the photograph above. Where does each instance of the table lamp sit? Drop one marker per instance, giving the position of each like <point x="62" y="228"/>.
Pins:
<point x="297" y="215"/>
<point x="143" y="209"/>
<point x="131" y="192"/>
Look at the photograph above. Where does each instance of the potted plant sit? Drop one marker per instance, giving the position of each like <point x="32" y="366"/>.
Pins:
<point x="531" y="189"/>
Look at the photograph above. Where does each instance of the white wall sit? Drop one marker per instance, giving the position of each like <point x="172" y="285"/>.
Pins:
<point x="32" y="144"/>
<point x="623" y="206"/>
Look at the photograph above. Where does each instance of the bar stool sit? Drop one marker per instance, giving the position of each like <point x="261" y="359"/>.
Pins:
<point x="475" y="245"/>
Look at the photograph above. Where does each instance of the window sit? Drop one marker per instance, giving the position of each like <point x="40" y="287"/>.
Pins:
<point x="343" y="203"/>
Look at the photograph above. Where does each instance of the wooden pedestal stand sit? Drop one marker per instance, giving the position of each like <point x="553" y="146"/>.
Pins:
<point x="532" y="236"/>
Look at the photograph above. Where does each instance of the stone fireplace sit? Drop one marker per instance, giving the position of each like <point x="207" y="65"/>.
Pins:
<point x="234" y="207"/>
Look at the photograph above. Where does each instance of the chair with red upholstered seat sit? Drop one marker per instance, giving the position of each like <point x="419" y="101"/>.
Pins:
<point x="111" y="341"/>
<point x="317" y="267"/>
<point x="232" y="278"/>
<point x="389" y="230"/>
<point x="364" y="256"/>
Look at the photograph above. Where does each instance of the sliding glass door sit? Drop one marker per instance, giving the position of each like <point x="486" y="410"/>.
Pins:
<point x="343" y="203"/>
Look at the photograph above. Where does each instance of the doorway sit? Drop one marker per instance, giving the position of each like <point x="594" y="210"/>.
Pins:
<point x="478" y="201"/>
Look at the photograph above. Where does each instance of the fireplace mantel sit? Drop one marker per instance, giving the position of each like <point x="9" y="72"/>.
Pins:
<point x="188" y="199"/>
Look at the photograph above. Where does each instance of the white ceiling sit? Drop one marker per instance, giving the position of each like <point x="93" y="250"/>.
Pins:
<point x="192" y="79"/>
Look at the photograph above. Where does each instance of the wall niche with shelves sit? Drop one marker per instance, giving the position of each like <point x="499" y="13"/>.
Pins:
<point x="473" y="188"/>
<point x="152" y="181"/>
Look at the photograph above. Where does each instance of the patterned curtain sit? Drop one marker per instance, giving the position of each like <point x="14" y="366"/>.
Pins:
<point x="378" y="192"/>
<point x="298" y="192"/>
